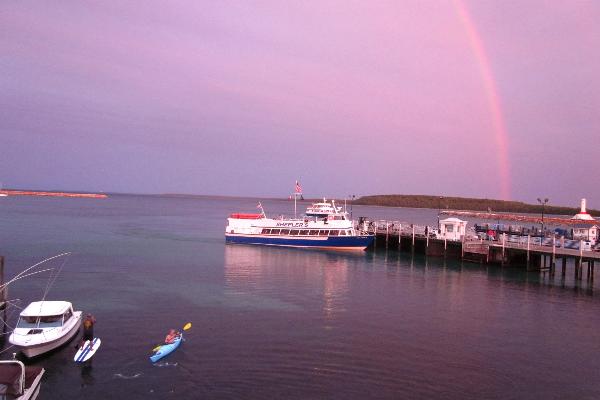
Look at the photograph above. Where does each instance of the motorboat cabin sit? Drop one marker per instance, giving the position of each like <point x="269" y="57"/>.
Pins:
<point x="44" y="326"/>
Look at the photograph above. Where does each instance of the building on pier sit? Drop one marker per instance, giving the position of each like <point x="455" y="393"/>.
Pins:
<point x="452" y="229"/>
<point x="586" y="232"/>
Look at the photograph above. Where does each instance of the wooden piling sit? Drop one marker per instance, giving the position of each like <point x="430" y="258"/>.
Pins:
<point x="3" y="291"/>
<point x="2" y="302"/>
<point x="553" y="265"/>
<point x="387" y="234"/>
<point x="400" y="238"/>
<point x="503" y="247"/>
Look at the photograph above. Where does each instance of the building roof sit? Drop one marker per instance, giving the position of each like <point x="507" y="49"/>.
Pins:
<point x="452" y="220"/>
<point x="583" y="216"/>
<point x="585" y="226"/>
<point x="45" y="308"/>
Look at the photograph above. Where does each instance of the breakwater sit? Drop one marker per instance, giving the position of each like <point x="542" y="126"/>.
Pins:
<point x="52" y="194"/>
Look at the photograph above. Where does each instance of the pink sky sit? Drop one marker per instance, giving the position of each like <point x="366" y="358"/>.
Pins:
<point x="243" y="98"/>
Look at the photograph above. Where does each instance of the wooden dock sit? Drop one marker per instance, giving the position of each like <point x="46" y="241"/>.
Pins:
<point x="393" y="235"/>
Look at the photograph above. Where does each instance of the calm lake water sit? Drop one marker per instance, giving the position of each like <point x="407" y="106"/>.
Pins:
<point x="285" y="323"/>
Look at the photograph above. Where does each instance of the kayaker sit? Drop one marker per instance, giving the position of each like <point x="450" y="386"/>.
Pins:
<point x="171" y="336"/>
<point x="88" y="327"/>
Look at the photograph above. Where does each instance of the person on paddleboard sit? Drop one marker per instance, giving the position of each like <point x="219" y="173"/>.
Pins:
<point x="171" y="336"/>
<point x="88" y="327"/>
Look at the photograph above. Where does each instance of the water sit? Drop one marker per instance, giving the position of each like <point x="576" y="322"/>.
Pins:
<point x="285" y="323"/>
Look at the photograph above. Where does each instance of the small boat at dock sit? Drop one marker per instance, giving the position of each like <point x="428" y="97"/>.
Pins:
<point x="18" y="382"/>
<point x="324" y="226"/>
<point x="44" y="326"/>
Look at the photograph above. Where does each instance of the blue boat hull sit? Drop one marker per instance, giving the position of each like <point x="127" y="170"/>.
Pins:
<point x="166" y="349"/>
<point x="317" y="242"/>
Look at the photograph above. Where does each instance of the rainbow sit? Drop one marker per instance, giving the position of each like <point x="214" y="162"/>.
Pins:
<point x="500" y="132"/>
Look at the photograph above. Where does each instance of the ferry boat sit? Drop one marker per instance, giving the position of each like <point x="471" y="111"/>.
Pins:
<point x="324" y="226"/>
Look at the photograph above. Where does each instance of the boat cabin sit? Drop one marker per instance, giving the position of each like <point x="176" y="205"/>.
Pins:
<point x="324" y="210"/>
<point x="45" y="314"/>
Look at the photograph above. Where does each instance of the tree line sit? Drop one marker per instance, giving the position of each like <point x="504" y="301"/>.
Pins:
<point x="464" y="203"/>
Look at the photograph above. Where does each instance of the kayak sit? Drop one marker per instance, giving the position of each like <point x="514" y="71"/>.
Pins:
<point x="166" y="349"/>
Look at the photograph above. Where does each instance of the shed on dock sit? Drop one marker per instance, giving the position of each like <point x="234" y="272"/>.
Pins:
<point x="452" y="229"/>
<point x="586" y="232"/>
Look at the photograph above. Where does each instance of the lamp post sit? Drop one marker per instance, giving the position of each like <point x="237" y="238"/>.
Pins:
<point x="543" y="203"/>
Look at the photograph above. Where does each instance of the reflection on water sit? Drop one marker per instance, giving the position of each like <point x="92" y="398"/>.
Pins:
<point x="261" y="271"/>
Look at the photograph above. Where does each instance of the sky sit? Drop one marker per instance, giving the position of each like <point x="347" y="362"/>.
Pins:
<point x="490" y="99"/>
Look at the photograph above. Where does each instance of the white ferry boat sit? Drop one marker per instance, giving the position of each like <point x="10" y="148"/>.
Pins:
<point x="324" y="226"/>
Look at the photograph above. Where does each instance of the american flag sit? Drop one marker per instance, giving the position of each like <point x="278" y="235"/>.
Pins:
<point x="298" y="187"/>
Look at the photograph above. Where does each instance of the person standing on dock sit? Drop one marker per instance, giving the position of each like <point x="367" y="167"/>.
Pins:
<point x="88" y="327"/>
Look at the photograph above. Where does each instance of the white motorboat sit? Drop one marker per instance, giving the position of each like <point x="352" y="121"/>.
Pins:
<point x="44" y="326"/>
<point x="19" y="382"/>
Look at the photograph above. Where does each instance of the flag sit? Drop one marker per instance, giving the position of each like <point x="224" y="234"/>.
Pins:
<point x="298" y="187"/>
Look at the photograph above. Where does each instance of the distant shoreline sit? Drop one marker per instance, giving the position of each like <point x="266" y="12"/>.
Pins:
<point x="10" y="192"/>
<point x="444" y="203"/>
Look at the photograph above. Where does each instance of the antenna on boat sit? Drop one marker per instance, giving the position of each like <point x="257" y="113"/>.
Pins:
<point x="24" y="273"/>
<point x="297" y="191"/>
<point x="262" y="210"/>
<point x="53" y="278"/>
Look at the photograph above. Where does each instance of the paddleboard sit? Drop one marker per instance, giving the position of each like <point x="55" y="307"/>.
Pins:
<point x="87" y="350"/>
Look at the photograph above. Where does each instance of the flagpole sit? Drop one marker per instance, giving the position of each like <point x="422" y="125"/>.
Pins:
<point x="295" y="214"/>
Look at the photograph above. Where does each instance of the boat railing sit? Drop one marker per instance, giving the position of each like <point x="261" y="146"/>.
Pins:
<point x="20" y="379"/>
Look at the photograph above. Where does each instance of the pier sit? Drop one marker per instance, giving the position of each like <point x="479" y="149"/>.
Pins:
<point x="528" y="252"/>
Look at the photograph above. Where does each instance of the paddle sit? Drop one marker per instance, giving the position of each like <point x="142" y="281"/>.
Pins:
<point x="185" y="328"/>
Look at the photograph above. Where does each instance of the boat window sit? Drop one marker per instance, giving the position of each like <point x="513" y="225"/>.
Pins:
<point x="323" y="232"/>
<point x="348" y="232"/>
<point x="304" y="232"/>
<point x="275" y="231"/>
<point x="27" y="322"/>
<point x="285" y="231"/>
<point x="67" y="315"/>
<point x="334" y="232"/>
<point x="342" y="233"/>
<point x="313" y="232"/>
<point x="50" y="321"/>
<point x="294" y="232"/>
<point x="266" y="231"/>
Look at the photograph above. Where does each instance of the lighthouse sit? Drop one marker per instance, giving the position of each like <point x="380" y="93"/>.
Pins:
<point x="583" y="215"/>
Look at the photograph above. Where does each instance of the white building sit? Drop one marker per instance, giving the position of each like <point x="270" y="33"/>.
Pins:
<point x="586" y="232"/>
<point x="452" y="229"/>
